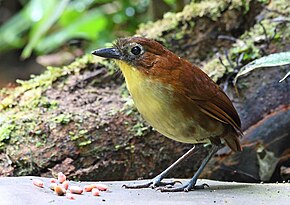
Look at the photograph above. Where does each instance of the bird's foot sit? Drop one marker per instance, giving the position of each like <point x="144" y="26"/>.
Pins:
<point x="187" y="187"/>
<point x="153" y="183"/>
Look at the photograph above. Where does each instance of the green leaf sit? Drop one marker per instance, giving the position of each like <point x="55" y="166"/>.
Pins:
<point x="12" y="32"/>
<point x="45" y="15"/>
<point x="74" y="10"/>
<point x="87" y="27"/>
<point x="276" y="59"/>
<point x="170" y="2"/>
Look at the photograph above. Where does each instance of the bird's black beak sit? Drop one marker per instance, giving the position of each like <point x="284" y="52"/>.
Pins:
<point x="108" y="53"/>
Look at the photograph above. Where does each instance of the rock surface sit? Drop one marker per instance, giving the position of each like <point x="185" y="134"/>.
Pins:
<point x="21" y="191"/>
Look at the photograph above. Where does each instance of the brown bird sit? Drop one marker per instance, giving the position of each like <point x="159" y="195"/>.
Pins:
<point x="176" y="98"/>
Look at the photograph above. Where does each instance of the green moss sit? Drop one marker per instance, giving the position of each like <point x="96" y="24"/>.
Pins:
<point x="75" y="137"/>
<point x="21" y="108"/>
<point x="139" y="129"/>
<point x="128" y="147"/>
<point x="5" y="132"/>
<point x="208" y="8"/>
<point x="38" y="84"/>
<point x="117" y="147"/>
<point x="215" y="69"/>
<point x="249" y="44"/>
<point x="85" y="143"/>
<point x="62" y="119"/>
<point x="39" y="144"/>
<point x="49" y="104"/>
<point x="81" y="137"/>
<point x="83" y="132"/>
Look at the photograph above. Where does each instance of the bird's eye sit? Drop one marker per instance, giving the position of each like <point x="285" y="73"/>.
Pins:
<point x="136" y="50"/>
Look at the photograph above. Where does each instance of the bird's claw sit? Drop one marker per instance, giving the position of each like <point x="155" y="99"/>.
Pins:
<point x="138" y="186"/>
<point x="202" y="186"/>
<point x="167" y="184"/>
<point x="152" y="184"/>
<point x="185" y="188"/>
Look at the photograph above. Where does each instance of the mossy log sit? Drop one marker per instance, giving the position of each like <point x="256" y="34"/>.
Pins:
<point x="79" y="119"/>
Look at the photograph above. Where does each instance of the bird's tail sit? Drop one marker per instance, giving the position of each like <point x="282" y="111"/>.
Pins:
<point x="232" y="140"/>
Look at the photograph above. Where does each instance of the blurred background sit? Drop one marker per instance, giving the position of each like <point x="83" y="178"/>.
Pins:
<point x="38" y="33"/>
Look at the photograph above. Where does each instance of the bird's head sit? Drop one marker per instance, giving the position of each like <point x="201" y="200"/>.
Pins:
<point x="141" y="54"/>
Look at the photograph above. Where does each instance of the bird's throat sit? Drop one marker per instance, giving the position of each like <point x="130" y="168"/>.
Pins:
<point x="131" y="74"/>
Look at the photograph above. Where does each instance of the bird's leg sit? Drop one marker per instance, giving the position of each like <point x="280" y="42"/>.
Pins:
<point x="156" y="181"/>
<point x="191" y="184"/>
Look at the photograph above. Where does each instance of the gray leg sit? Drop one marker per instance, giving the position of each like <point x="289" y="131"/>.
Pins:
<point x="191" y="184"/>
<point x="156" y="181"/>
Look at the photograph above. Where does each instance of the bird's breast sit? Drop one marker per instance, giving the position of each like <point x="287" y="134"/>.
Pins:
<point x="158" y="104"/>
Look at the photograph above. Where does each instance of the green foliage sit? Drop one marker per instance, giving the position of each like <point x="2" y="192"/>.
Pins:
<point x="45" y="17"/>
<point x="5" y="132"/>
<point x="22" y="108"/>
<point x="43" y="26"/>
<point x="276" y="59"/>
<point x="11" y="32"/>
<point x="82" y="137"/>
<point x="62" y="119"/>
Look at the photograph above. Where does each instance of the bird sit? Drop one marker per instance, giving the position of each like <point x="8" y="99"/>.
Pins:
<point x="178" y="100"/>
